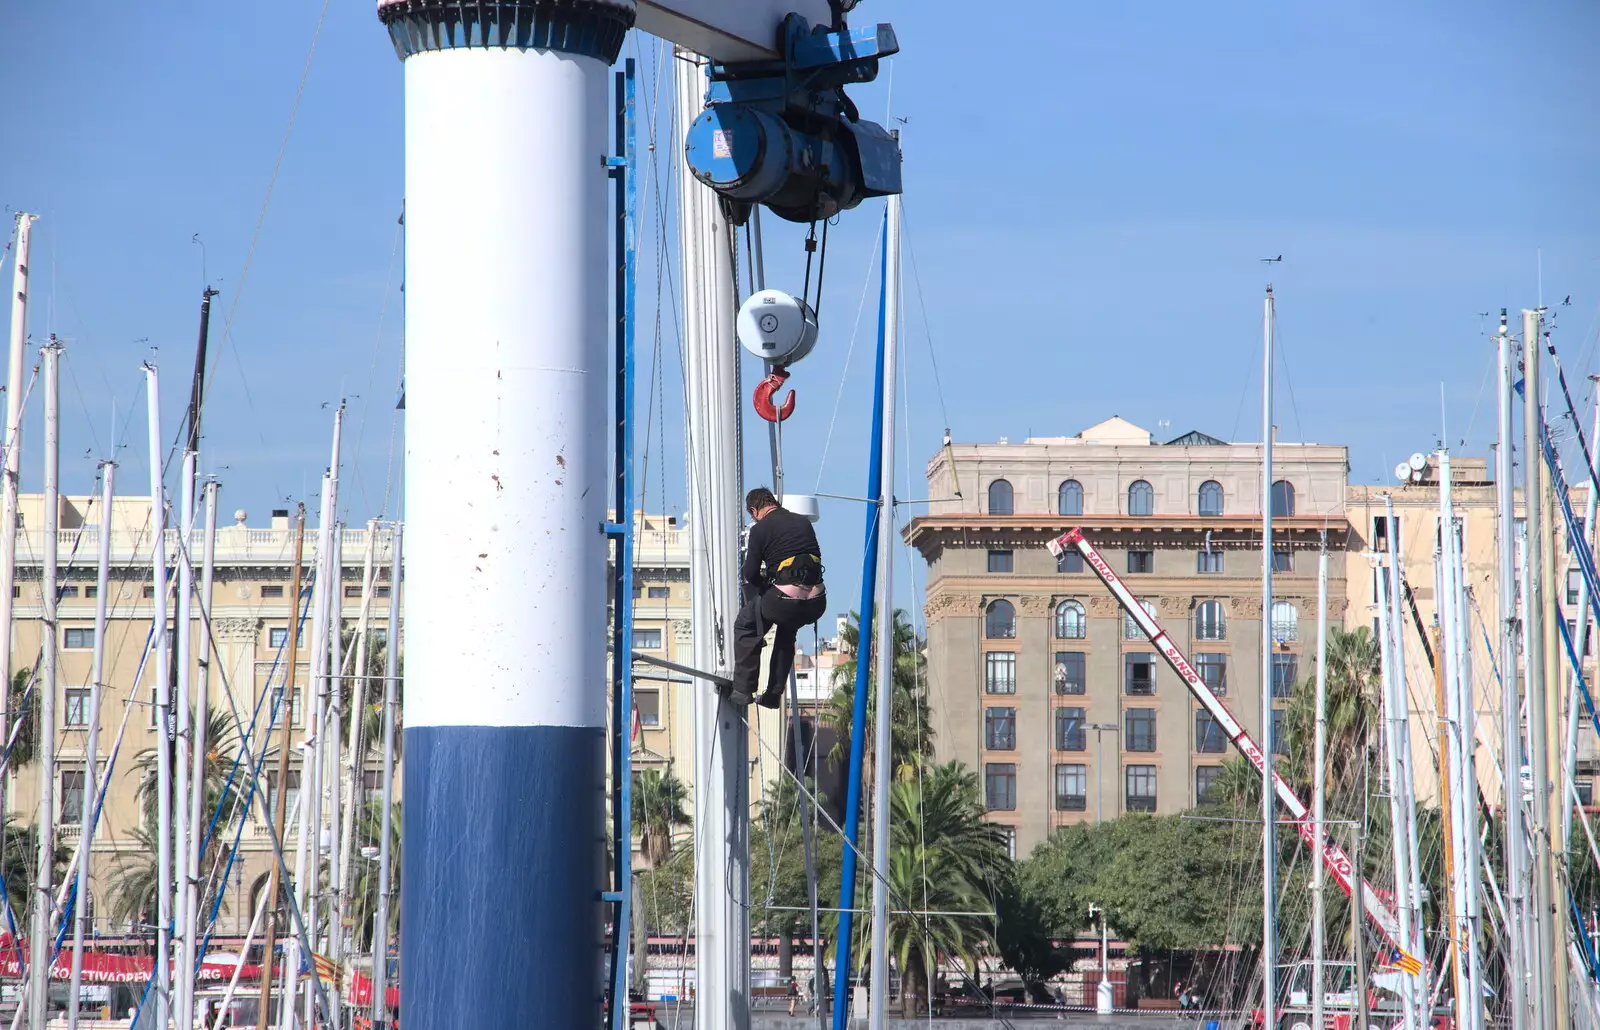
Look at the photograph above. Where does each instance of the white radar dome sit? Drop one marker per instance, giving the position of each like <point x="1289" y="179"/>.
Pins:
<point x="777" y="327"/>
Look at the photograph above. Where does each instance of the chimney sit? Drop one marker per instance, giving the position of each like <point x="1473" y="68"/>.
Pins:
<point x="280" y="518"/>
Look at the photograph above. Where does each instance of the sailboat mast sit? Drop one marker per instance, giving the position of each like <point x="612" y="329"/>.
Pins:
<point x="199" y="743"/>
<point x="183" y="874"/>
<point x="1582" y="639"/>
<point x="13" y="451"/>
<point x="91" y="739"/>
<point x="1394" y="701"/>
<point x="883" y="758"/>
<point x="158" y="616"/>
<point x="1510" y="700"/>
<point x="391" y="701"/>
<point x="1319" y="791"/>
<point x="1269" y="842"/>
<point x="42" y="937"/>
<point x="1542" y="959"/>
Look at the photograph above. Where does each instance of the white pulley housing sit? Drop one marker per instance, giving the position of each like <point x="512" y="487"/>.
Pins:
<point x="777" y="327"/>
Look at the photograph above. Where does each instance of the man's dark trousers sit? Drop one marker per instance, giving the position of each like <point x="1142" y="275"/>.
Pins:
<point x="771" y="608"/>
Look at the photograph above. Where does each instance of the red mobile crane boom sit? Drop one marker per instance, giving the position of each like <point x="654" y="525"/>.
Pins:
<point x="1334" y="859"/>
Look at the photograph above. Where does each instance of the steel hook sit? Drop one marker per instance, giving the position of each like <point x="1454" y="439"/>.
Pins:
<point x="763" y="396"/>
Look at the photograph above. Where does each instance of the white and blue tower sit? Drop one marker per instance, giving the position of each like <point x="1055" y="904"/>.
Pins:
<point x="507" y="333"/>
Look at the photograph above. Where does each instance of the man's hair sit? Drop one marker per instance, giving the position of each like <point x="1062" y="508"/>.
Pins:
<point x="759" y="498"/>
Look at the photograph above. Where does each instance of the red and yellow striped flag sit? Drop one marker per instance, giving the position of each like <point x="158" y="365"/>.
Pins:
<point x="327" y="970"/>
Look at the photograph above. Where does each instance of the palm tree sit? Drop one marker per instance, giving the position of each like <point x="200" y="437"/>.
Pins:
<point x="364" y="904"/>
<point x="912" y="732"/>
<point x="944" y="856"/>
<point x="1354" y="675"/>
<point x="23" y="706"/>
<point x="372" y="692"/>
<point x="658" y="799"/>
<point x="21" y="858"/>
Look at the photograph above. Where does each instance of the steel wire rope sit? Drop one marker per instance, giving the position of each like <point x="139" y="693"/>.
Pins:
<point x="850" y="350"/>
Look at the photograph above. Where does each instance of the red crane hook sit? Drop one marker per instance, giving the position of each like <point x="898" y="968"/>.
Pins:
<point x="763" y="396"/>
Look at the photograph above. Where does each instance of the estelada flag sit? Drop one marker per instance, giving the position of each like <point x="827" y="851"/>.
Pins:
<point x="1403" y="961"/>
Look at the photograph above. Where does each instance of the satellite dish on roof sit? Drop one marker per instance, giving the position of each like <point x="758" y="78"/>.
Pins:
<point x="1419" y="461"/>
<point x="1402" y="472"/>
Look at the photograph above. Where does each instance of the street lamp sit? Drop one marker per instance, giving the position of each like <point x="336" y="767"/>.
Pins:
<point x="1099" y="764"/>
<point x="1102" y="993"/>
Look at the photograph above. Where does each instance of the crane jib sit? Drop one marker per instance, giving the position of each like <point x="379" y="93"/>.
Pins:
<point x="1334" y="859"/>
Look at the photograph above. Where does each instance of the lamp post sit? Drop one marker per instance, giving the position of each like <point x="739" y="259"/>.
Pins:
<point x="1099" y="765"/>
<point x="1102" y="993"/>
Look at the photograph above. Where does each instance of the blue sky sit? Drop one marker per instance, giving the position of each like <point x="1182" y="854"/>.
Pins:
<point x="1089" y="191"/>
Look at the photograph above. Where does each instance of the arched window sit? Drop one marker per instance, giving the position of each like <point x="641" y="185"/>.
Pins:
<point x="1282" y="498"/>
<point x="1069" y="497"/>
<point x="1211" y="497"/>
<point x="1000" y="498"/>
<point x="1070" y="623"/>
<point x="1141" y="498"/>
<point x="1000" y="621"/>
<point x="1130" y="626"/>
<point x="1209" y="621"/>
<point x="1285" y="622"/>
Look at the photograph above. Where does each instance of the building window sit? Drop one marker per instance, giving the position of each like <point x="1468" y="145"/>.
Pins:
<point x="67" y="591"/>
<point x="1069" y="497"/>
<point x="1282" y="561"/>
<point x="1585" y="789"/>
<point x="1574" y="577"/>
<point x="1279" y="744"/>
<point x="1000" y="620"/>
<point x="1000" y="786"/>
<point x="1000" y="672"/>
<point x="1141" y="498"/>
<point x="1285" y="672"/>
<point x="1209" y="622"/>
<point x="1141" y="561"/>
<point x="1070" y="672"/>
<point x="1282" y="498"/>
<point x="1141" y="788"/>
<point x="1205" y="782"/>
<point x="278" y="636"/>
<point x="352" y="591"/>
<point x="1139" y="674"/>
<point x="1139" y="729"/>
<point x="646" y="639"/>
<point x="1000" y="729"/>
<point x="1072" y="788"/>
<point x="77" y="707"/>
<point x="638" y="590"/>
<point x="148" y="591"/>
<point x="1070" y="621"/>
<point x="73" y="791"/>
<point x="659" y="593"/>
<point x="277" y="704"/>
<point x="1208" y="738"/>
<point x="648" y="704"/>
<point x="273" y="590"/>
<point x="1285" y="623"/>
<point x="1000" y="561"/>
<point x="1070" y="726"/>
<point x="77" y="638"/>
<point x="1213" y="670"/>
<point x="1069" y="561"/>
<point x="272" y="793"/>
<point x="1000" y="498"/>
<point x="1211" y="497"/>
<point x="381" y="590"/>
<point x="1131" y="629"/>
<point x="92" y="591"/>
<point x="1208" y="561"/>
<point x="1588" y="641"/>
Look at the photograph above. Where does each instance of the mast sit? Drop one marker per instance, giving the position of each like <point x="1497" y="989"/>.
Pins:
<point x="1319" y="792"/>
<point x="91" y="778"/>
<point x="158" y="615"/>
<point x="1510" y="701"/>
<point x="1394" y="743"/>
<point x="184" y="873"/>
<point x="199" y="743"/>
<point x="42" y="937"/>
<point x="360" y="687"/>
<point x="331" y="762"/>
<point x="1582" y="638"/>
<point x="1542" y="959"/>
<point x="306" y="878"/>
<point x="883" y="759"/>
<point x="1269" y="841"/>
<point x="391" y="700"/>
<point x="721" y="784"/>
<point x="285" y="713"/>
<point x="13" y="452"/>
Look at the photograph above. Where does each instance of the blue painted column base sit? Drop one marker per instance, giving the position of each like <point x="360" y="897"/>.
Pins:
<point x="497" y="821"/>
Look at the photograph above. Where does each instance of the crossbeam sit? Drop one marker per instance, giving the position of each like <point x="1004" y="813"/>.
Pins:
<point x="662" y="663"/>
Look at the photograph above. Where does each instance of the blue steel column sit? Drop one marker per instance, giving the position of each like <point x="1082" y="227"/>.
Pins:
<point x="858" y="718"/>
<point x="621" y="532"/>
<point x="506" y="482"/>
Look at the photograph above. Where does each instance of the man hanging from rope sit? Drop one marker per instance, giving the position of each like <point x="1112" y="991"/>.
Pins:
<point x="783" y="588"/>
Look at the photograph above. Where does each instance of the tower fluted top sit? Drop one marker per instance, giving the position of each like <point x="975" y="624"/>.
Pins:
<point x="585" y="28"/>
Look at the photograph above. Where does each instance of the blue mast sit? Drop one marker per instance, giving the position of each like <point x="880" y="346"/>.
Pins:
<point x="858" y="718"/>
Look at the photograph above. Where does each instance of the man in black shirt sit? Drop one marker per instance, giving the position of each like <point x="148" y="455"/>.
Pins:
<point x="782" y="577"/>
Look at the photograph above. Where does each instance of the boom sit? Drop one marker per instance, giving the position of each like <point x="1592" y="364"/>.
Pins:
<point x="1334" y="859"/>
